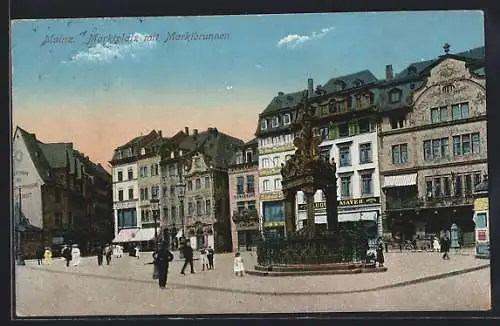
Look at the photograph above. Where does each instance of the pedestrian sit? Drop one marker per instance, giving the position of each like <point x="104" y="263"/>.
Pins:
<point x="446" y="245"/>
<point x="108" y="252"/>
<point x="100" y="253"/>
<point x="210" y="257"/>
<point x="39" y="255"/>
<point x="137" y="252"/>
<point x="47" y="256"/>
<point x="380" y="254"/>
<point x="75" y="254"/>
<point x="66" y="253"/>
<point x="188" y="257"/>
<point x="162" y="258"/>
<point x="238" y="267"/>
<point x="435" y="245"/>
<point x="203" y="258"/>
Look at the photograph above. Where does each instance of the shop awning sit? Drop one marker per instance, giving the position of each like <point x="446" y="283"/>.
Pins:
<point x="358" y="216"/>
<point x="400" y="180"/>
<point x="145" y="234"/>
<point x="125" y="235"/>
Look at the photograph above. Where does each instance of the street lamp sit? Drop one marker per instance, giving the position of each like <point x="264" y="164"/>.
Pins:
<point x="154" y="207"/>
<point x="181" y="193"/>
<point x="21" y="226"/>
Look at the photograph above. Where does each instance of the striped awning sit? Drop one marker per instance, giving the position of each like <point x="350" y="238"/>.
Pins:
<point x="145" y="234"/>
<point x="125" y="235"/>
<point x="400" y="180"/>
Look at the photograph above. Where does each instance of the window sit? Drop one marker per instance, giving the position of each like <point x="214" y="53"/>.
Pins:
<point x="345" y="186"/>
<point x="172" y="190"/>
<point x="365" y="125"/>
<point x="468" y="184"/>
<point x="272" y="211"/>
<point x="127" y="218"/>
<point x="458" y="185"/>
<point x="120" y="195"/>
<point x="446" y="186"/>
<point x="475" y="143"/>
<point x="437" y="187"/>
<point x="366" y="184"/>
<point x="480" y="220"/>
<point x="358" y="102"/>
<point x="155" y="191"/>
<point x="190" y="185"/>
<point x="143" y="171"/>
<point x="190" y="209"/>
<point x="345" y="156"/>
<point x="365" y="153"/>
<point x="443" y="113"/>
<point x="275" y="122"/>
<point x="131" y="194"/>
<point x="265" y="183"/>
<point x="207" y="182"/>
<point x="344" y="130"/>
<point x="466" y="144"/>
<point x="198" y="183"/>
<point x="434" y="115"/>
<point x="208" y="207"/>
<point x="250" y="184"/>
<point x="323" y="133"/>
<point x="324" y="154"/>
<point x="477" y="179"/>
<point x="239" y="158"/>
<point x="165" y="212"/>
<point x="263" y="124"/>
<point x="445" y="151"/>
<point x="457" y="146"/>
<point x="172" y="171"/>
<point x="276" y="161"/>
<point x="265" y="163"/>
<point x="400" y="153"/>
<point x="428" y="187"/>
<point x="199" y="208"/>
<point x="173" y="211"/>
<point x="464" y="109"/>
<point x="286" y="119"/>
<point x="240" y="185"/>
<point x="460" y="111"/>
<point x="398" y="123"/>
<point x="332" y="106"/>
<point x="436" y="148"/>
<point x="130" y="173"/>
<point x="141" y="194"/>
<point x="395" y="96"/>
<point x="120" y="175"/>
<point x="197" y="163"/>
<point x="251" y="205"/>
<point x="249" y="157"/>
<point x="154" y="169"/>
<point x="277" y="184"/>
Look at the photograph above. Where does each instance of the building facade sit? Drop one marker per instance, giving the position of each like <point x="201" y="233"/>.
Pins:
<point x="434" y="146"/>
<point x="275" y="145"/>
<point x="60" y="194"/>
<point x="198" y="164"/>
<point x="244" y="196"/>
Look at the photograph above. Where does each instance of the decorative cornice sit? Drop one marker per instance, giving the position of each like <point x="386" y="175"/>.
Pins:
<point x="436" y="166"/>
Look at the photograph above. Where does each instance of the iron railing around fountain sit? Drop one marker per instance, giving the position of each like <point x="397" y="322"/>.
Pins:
<point x="345" y="246"/>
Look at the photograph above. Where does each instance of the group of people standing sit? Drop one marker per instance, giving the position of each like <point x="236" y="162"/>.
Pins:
<point x="104" y="251"/>
<point x="44" y="256"/>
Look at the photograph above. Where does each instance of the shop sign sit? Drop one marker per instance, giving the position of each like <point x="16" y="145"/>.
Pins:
<point x="481" y="204"/>
<point x="317" y="205"/>
<point x="276" y="195"/>
<point x="274" y="224"/>
<point x="359" y="201"/>
<point x="124" y="205"/>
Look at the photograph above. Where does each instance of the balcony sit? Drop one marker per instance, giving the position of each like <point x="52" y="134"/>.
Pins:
<point x="447" y="201"/>
<point x="246" y="215"/>
<point x="244" y="196"/>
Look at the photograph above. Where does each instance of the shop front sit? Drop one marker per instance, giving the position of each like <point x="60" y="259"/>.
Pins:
<point x="273" y="219"/>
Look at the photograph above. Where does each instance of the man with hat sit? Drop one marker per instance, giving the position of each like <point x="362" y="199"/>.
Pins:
<point x="162" y="258"/>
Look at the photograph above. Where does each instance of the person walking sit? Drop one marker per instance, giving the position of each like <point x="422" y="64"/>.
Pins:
<point x="137" y="252"/>
<point x="188" y="257"/>
<point x="75" y="254"/>
<point x="210" y="257"/>
<point x="380" y="253"/>
<point x="66" y="253"/>
<point x="39" y="255"/>
<point x="446" y="245"/>
<point x="100" y="255"/>
<point x="47" y="256"/>
<point x="435" y="245"/>
<point x="162" y="258"/>
<point x="108" y="253"/>
<point x="203" y="258"/>
<point x="238" y="266"/>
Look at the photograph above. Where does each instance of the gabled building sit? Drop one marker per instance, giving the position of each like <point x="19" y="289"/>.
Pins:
<point x="433" y="144"/>
<point x="244" y="195"/>
<point x="201" y="213"/>
<point x="62" y="195"/>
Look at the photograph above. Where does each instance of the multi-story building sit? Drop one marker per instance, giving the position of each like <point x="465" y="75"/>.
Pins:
<point x="60" y="193"/>
<point x="199" y="162"/>
<point x="126" y="193"/>
<point x="275" y="145"/>
<point x="433" y="144"/>
<point x="244" y="195"/>
<point x="346" y="110"/>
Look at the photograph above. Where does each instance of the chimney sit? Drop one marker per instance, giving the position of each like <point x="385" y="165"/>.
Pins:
<point x="310" y="87"/>
<point x="195" y="132"/>
<point x="186" y="131"/>
<point x="281" y="93"/>
<point x="388" y="72"/>
<point x="159" y="133"/>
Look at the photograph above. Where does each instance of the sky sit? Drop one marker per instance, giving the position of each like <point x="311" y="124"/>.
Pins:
<point x="100" y="82"/>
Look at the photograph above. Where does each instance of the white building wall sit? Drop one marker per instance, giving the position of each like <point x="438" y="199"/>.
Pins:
<point x="125" y="185"/>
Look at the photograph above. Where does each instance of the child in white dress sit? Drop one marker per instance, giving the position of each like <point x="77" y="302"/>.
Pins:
<point x="239" y="268"/>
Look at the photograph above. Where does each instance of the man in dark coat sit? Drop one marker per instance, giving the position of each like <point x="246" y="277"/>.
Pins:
<point x="66" y="253"/>
<point x="39" y="255"/>
<point x="162" y="259"/>
<point x="100" y="254"/>
<point x="446" y="245"/>
<point x="210" y="256"/>
<point x="188" y="257"/>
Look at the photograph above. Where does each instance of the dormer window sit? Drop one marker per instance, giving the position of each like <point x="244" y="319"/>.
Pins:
<point x="275" y="122"/>
<point x="249" y="156"/>
<point x="263" y="124"/>
<point x="118" y="154"/>
<point x="358" y="83"/>
<point x="332" y="108"/>
<point x="339" y="85"/>
<point x="394" y="95"/>
<point x="239" y="158"/>
<point x="143" y="151"/>
<point x="286" y="119"/>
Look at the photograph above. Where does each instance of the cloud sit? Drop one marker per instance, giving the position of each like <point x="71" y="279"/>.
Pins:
<point x="258" y="66"/>
<point x="229" y="88"/>
<point x="293" y="40"/>
<point x="112" y="51"/>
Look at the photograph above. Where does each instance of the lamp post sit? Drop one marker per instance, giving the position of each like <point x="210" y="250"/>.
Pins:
<point x="20" y="227"/>
<point x="154" y="206"/>
<point x="181" y="188"/>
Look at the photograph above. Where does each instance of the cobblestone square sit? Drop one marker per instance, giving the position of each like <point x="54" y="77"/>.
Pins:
<point x="415" y="281"/>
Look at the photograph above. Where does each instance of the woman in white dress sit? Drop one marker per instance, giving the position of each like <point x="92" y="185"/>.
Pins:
<point x="436" y="245"/>
<point x="239" y="268"/>
<point x="204" y="258"/>
<point x="75" y="254"/>
<point x="137" y="252"/>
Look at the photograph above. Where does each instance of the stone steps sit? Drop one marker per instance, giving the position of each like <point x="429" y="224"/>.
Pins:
<point x="317" y="272"/>
<point x="310" y="267"/>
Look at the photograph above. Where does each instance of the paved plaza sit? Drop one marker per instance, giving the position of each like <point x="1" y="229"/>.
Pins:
<point x="415" y="281"/>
